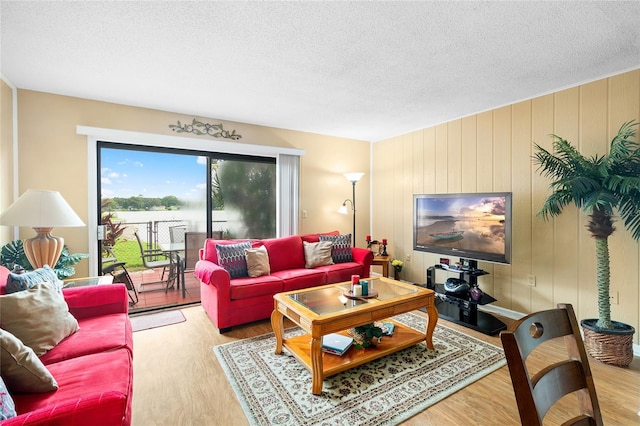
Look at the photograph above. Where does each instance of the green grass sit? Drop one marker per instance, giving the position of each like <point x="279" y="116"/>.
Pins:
<point x="129" y="253"/>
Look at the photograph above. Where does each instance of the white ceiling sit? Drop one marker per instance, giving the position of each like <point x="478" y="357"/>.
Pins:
<point x="363" y="70"/>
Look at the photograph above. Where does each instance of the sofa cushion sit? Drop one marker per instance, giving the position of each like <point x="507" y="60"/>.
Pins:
<point x="341" y="272"/>
<point x="285" y="253"/>
<point x="317" y="254"/>
<point x="296" y="279"/>
<point x="7" y="407"/>
<point x="94" y="390"/>
<point x="257" y="261"/>
<point x="21" y="368"/>
<point x="341" y="250"/>
<point x="96" y="334"/>
<point x="39" y="317"/>
<point x="243" y="288"/>
<point x="28" y="279"/>
<point x="232" y="258"/>
<point x="209" y="251"/>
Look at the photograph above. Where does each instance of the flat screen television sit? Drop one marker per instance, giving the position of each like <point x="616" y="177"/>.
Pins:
<point x="470" y="226"/>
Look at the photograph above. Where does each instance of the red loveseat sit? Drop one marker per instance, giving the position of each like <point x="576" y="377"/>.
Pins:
<point x="93" y="367"/>
<point x="230" y="302"/>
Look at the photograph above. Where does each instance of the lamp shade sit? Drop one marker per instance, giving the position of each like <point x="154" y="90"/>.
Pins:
<point x="353" y="177"/>
<point x="40" y="209"/>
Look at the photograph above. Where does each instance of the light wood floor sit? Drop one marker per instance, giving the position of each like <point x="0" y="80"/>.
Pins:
<point x="178" y="381"/>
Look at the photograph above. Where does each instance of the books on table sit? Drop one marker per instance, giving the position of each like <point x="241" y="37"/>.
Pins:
<point x="336" y="344"/>
<point x="388" y="327"/>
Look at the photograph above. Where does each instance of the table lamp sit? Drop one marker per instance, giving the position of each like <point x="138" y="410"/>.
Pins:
<point x="42" y="210"/>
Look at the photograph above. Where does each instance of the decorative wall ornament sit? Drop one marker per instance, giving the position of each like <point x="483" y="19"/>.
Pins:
<point x="200" y="128"/>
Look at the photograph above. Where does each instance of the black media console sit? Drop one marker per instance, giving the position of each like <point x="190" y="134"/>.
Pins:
<point x="462" y="308"/>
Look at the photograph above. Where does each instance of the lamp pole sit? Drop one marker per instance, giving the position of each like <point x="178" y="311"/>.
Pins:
<point x="353" y="183"/>
<point x="353" y="178"/>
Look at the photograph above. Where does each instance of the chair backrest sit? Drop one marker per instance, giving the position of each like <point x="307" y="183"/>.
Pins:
<point x="537" y="393"/>
<point x="194" y="241"/>
<point x="142" y="250"/>
<point x="176" y="233"/>
<point x="148" y="254"/>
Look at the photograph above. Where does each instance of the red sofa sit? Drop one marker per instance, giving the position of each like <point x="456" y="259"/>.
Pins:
<point x="93" y="367"/>
<point x="230" y="302"/>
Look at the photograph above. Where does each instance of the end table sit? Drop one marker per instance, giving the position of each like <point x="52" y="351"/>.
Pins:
<point x="382" y="261"/>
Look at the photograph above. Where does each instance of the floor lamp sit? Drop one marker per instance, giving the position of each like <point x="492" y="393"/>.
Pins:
<point x="41" y="210"/>
<point x="353" y="178"/>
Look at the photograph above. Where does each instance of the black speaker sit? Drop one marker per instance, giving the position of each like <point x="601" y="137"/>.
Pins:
<point x="431" y="277"/>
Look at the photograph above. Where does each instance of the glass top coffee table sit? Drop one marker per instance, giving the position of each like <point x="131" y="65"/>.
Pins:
<point x="324" y="310"/>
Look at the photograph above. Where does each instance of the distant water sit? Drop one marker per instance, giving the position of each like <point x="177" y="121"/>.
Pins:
<point x="194" y="220"/>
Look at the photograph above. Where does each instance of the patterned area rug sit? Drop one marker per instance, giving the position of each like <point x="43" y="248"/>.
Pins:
<point x="159" y="319"/>
<point x="276" y="389"/>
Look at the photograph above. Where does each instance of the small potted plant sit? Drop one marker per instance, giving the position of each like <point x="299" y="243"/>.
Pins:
<point x="367" y="335"/>
<point x="397" y="267"/>
<point x="600" y="186"/>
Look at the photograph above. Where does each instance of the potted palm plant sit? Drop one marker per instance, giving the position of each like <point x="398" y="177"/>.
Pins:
<point x="600" y="186"/>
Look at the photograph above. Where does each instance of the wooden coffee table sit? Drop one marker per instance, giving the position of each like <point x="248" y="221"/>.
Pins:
<point x="321" y="311"/>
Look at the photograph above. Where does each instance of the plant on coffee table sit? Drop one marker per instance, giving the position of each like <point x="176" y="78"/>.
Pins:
<point x="367" y="335"/>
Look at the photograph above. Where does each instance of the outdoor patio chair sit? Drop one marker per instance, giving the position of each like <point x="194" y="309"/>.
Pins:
<point x="536" y="393"/>
<point x="194" y="241"/>
<point x="121" y="275"/>
<point x="154" y="259"/>
<point x="177" y="233"/>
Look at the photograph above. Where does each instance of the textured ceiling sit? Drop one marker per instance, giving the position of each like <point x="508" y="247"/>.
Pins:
<point x="363" y="70"/>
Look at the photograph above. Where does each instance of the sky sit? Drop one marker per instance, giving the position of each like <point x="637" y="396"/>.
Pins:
<point x="461" y="205"/>
<point x="128" y="173"/>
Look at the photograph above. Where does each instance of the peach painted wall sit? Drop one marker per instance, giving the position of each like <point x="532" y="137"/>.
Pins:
<point x="53" y="156"/>
<point x="6" y="153"/>
<point x="492" y="151"/>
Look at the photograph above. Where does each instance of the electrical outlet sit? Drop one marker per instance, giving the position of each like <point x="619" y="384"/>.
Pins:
<point x="408" y="258"/>
<point x="614" y="298"/>
<point x="305" y="213"/>
<point x="532" y="280"/>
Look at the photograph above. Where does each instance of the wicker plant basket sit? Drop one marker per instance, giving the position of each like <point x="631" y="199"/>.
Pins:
<point x="614" y="347"/>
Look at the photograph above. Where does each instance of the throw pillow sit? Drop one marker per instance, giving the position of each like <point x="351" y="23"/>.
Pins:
<point x="257" y="261"/>
<point x="341" y="250"/>
<point x="232" y="258"/>
<point x="26" y="280"/>
<point x="21" y="368"/>
<point x="7" y="407"/>
<point x="39" y="317"/>
<point x="317" y="254"/>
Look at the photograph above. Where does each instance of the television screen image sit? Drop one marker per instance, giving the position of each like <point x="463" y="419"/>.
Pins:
<point x="473" y="226"/>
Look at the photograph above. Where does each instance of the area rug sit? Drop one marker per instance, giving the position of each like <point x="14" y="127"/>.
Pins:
<point x="276" y="389"/>
<point x="159" y="319"/>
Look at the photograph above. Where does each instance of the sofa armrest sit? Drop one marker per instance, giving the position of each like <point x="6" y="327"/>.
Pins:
<point x="93" y="301"/>
<point x="363" y="257"/>
<point x="97" y="409"/>
<point x="212" y="274"/>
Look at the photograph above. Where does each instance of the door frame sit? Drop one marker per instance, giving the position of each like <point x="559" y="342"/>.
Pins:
<point x="95" y="134"/>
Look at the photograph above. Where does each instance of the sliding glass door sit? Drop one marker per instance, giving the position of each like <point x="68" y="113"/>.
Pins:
<point x="150" y="198"/>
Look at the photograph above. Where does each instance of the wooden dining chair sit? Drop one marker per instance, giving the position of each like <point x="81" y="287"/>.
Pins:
<point x="536" y="393"/>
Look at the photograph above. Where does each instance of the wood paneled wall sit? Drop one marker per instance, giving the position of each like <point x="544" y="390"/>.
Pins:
<point x="492" y="151"/>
